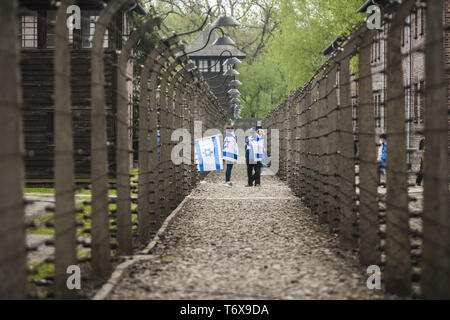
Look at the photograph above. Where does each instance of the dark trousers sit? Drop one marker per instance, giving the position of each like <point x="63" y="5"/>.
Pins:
<point x="420" y="174"/>
<point x="254" y="177"/>
<point x="381" y="171"/>
<point x="228" y="172"/>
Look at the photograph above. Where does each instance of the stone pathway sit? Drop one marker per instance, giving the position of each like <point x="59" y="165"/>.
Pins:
<point x="38" y="202"/>
<point x="245" y="243"/>
<point x="37" y="205"/>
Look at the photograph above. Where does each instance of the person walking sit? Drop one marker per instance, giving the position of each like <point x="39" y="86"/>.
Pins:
<point x="253" y="158"/>
<point x="261" y="148"/>
<point x="230" y="153"/>
<point x="420" y="174"/>
<point x="381" y="158"/>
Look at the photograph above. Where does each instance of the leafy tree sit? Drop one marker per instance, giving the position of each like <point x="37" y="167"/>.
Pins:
<point x="258" y="19"/>
<point x="263" y="87"/>
<point x="308" y="27"/>
<point x="282" y="39"/>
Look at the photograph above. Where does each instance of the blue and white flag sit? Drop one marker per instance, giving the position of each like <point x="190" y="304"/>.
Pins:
<point x="208" y="154"/>
<point x="261" y="148"/>
<point x="256" y="148"/>
<point x="230" y="148"/>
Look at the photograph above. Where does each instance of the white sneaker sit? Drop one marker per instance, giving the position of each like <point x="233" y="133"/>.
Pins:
<point x="228" y="184"/>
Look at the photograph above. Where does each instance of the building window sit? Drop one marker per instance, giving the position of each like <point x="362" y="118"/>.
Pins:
<point x="403" y="35"/>
<point x="416" y="115"/>
<point x="51" y="30"/>
<point x="416" y="25"/>
<point x="379" y="45"/>
<point x="371" y="51"/>
<point x="51" y="27"/>
<point x="203" y="65"/>
<point x="381" y="103"/>
<point x="421" y="102"/>
<point x="89" y="19"/>
<point x="422" y="21"/>
<point x="215" y="67"/>
<point x="376" y="98"/>
<point x="28" y="31"/>
<point x="127" y="26"/>
<point x="418" y="103"/>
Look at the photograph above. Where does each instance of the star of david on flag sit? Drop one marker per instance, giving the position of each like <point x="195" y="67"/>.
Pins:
<point x="208" y="154"/>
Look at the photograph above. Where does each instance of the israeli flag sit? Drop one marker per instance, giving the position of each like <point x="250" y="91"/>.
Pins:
<point x="230" y="148"/>
<point x="261" y="149"/>
<point x="208" y="154"/>
<point x="256" y="149"/>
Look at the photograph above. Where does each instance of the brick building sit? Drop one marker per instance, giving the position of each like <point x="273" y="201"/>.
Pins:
<point x="37" y="42"/>
<point x="209" y="61"/>
<point x="413" y="62"/>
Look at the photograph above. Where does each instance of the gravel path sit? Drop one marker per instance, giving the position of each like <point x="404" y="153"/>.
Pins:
<point x="245" y="243"/>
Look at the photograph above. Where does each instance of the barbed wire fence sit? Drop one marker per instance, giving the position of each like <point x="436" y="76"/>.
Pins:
<point x="328" y="154"/>
<point x="124" y="208"/>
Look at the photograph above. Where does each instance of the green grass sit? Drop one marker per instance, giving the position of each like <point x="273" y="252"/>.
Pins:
<point x="39" y="190"/>
<point x="49" y="217"/>
<point x="43" y="230"/>
<point x="43" y="270"/>
<point x="83" y="254"/>
<point x="48" y="269"/>
<point x="134" y="172"/>
<point x="52" y="191"/>
<point x="79" y="217"/>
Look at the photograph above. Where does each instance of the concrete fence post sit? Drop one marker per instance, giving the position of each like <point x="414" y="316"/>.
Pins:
<point x="435" y="275"/>
<point x="12" y="226"/>
<point x="100" y="251"/>
<point x="347" y="155"/>
<point x="65" y="224"/>
<point x="332" y="149"/>
<point x="369" y="240"/>
<point x="321" y="148"/>
<point x="397" y="271"/>
<point x="149" y="154"/>
<point x="123" y="163"/>
<point x="309" y="187"/>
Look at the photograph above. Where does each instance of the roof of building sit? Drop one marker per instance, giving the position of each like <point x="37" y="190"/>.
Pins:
<point x="368" y="3"/>
<point x="139" y="8"/>
<point x="332" y="47"/>
<point x="210" y="50"/>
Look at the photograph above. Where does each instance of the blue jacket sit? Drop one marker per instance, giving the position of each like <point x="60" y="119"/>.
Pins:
<point x="383" y="153"/>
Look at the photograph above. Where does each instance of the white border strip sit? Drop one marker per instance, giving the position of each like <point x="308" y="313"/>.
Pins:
<point x="116" y="276"/>
<point x="243" y="198"/>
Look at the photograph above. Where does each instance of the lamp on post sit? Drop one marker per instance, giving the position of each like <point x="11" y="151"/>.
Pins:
<point x="220" y="40"/>
<point x="234" y="83"/>
<point x="224" y="41"/>
<point x="226" y="21"/>
<point x="231" y="73"/>
<point x="221" y="22"/>
<point x="234" y="92"/>
<point x="231" y="61"/>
